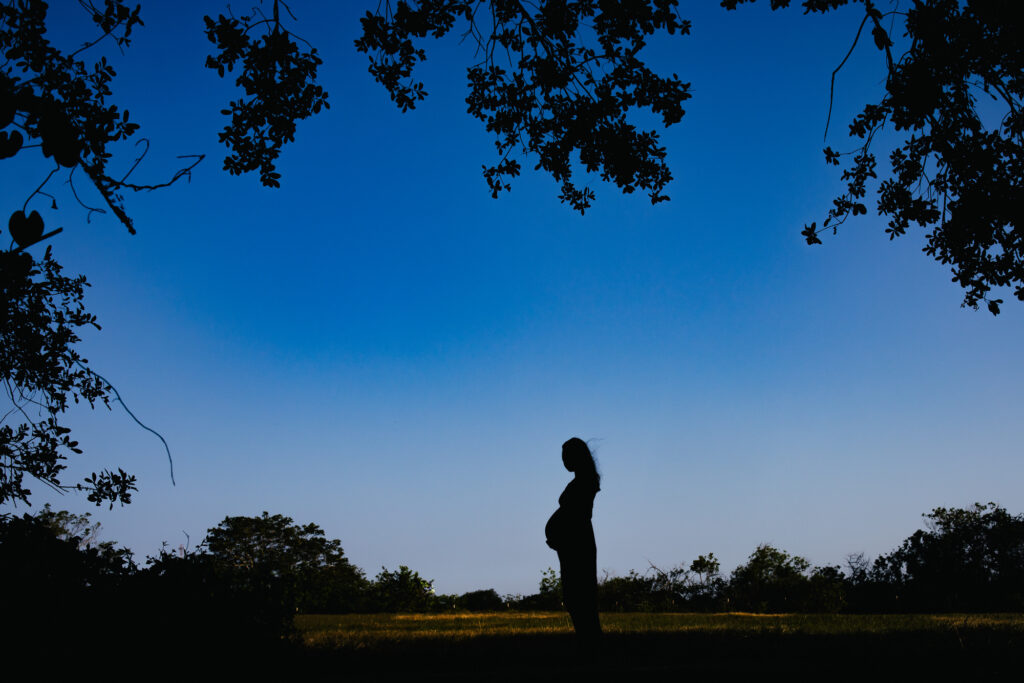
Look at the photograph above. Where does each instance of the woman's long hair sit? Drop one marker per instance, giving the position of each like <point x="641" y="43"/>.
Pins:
<point x="579" y="460"/>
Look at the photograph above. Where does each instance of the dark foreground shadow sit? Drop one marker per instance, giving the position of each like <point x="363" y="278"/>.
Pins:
<point x="630" y="656"/>
<point x="654" y="656"/>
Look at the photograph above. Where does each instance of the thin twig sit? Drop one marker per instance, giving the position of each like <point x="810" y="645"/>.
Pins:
<point x="167" y="448"/>
<point x="39" y="189"/>
<point x="187" y="171"/>
<point x="832" y="85"/>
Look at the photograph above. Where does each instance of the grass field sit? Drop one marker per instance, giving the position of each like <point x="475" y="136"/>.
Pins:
<point x="511" y="644"/>
<point x="368" y="630"/>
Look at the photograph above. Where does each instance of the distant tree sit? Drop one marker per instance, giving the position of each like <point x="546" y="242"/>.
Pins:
<point x="967" y="559"/>
<point x="68" y="526"/>
<point x="706" y="567"/>
<point x="707" y="585"/>
<point x="864" y="591"/>
<point x="550" y="589"/>
<point x="772" y="580"/>
<point x="481" y="601"/>
<point x="826" y="590"/>
<point x="660" y="590"/>
<point x="84" y="533"/>
<point x="959" y="170"/>
<point x="271" y="552"/>
<point x="271" y="542"/>
<point x="671" y="588"/>
<point x="548" y="597"/>
<point x="335" y="589"/>
<point x="633" y="592"/>
<point x="857" y="566"/>
<point x="402" y="590"/>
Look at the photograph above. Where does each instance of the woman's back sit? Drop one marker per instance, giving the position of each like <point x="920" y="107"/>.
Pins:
<point x="578" y="497"/>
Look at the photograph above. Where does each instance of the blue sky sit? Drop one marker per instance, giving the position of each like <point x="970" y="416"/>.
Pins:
<point x="381" y="348"/>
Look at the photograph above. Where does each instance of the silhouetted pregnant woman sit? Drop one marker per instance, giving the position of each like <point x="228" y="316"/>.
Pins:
<point x="571" y="533"/>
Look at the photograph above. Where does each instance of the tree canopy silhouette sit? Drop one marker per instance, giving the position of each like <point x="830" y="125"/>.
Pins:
<point x="959" y="170"/>
<point x="553" y="80"/>
<point x="53" y="100"/>
<point x="560" y="82"/>
<point x="41" y="315"/>
<point x="273" y="544"/>
<point x="966" y="559"/>
<point x="279" y="80"/>
<point x="272" y="553"/>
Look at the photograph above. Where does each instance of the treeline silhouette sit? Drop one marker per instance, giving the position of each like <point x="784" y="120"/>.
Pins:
<point x="964" y="560"/>
<point x="251" y="575"/>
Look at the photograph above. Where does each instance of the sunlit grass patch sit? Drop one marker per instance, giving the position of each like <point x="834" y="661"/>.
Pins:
<point x="532" y="645"/>
<point x="360" y="630"/>
<point x="810" y="624"/>
<point x="365" y="629"/>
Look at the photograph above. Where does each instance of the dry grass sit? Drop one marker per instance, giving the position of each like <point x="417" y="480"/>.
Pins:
<point x="361" y="630"/>
<point x="517" y="646"/>
<point x="370" y="630"/>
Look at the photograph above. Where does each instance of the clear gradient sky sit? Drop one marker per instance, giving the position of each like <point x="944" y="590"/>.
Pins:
<point x="381" y="348"/>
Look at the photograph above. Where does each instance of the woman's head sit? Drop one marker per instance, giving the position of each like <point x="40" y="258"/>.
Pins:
<point x="577" y="458"/>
